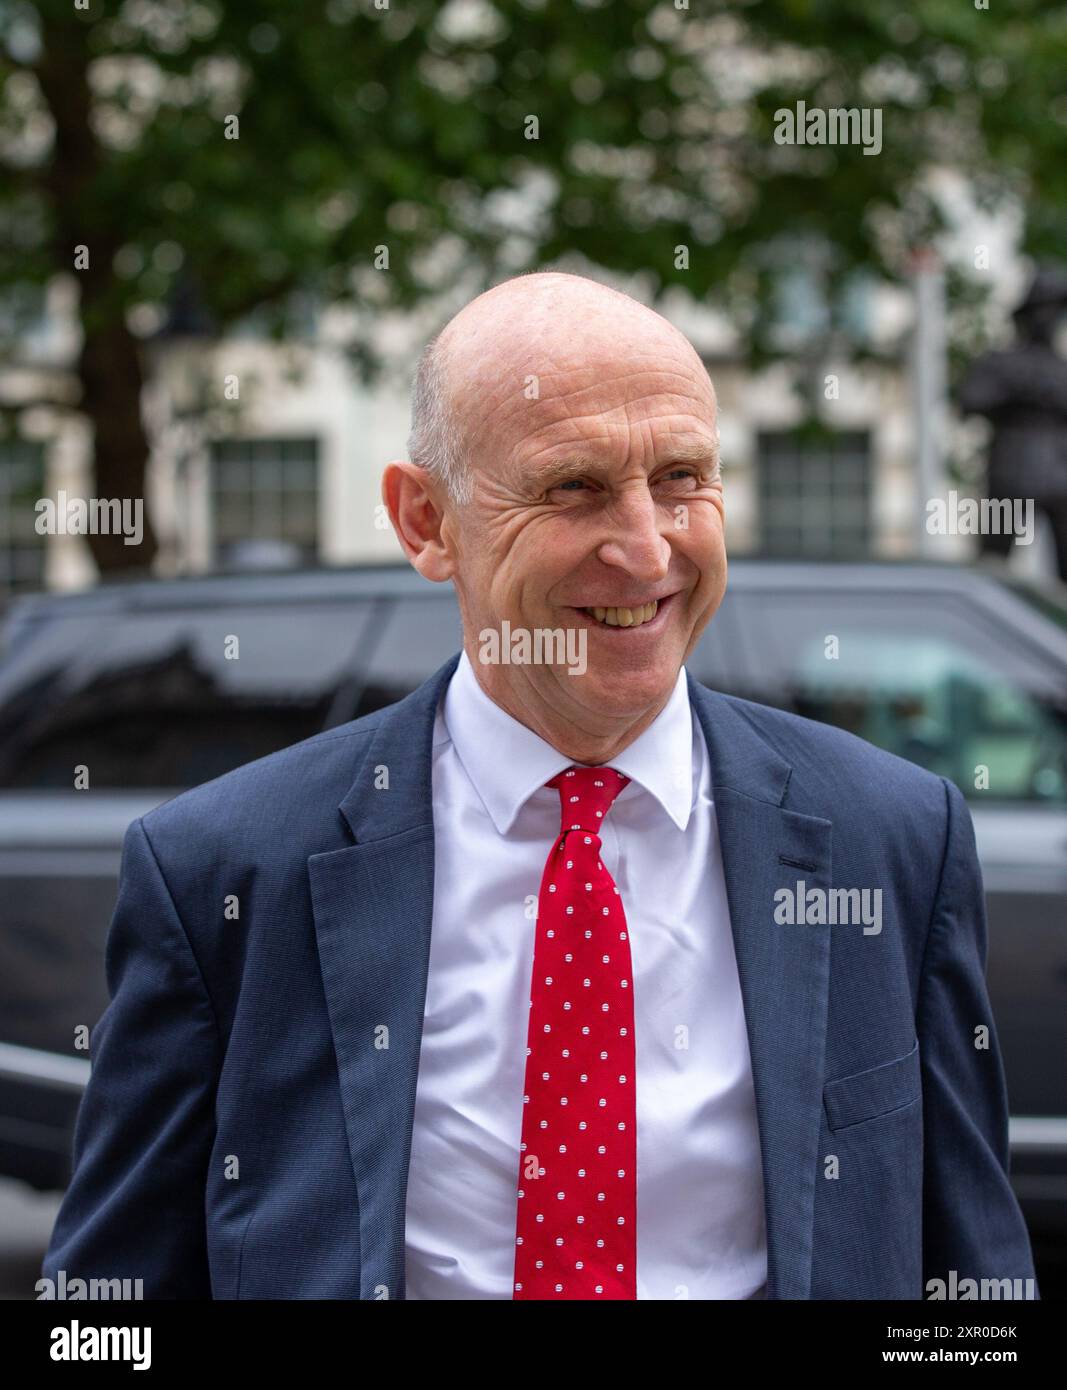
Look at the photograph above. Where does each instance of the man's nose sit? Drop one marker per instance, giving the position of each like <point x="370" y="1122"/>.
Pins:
<point x="638" y="544"/>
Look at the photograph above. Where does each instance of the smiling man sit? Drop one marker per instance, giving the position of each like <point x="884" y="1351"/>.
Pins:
<point x="598" y="489"/>
<point x="509" y="1010"/>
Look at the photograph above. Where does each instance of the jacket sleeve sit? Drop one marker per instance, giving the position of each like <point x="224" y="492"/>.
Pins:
<point x="972" y="1223"/>
<point x="135" y="1205"/>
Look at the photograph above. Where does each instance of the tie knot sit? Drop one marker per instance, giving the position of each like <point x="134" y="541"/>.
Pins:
<point x="586" y="795"/>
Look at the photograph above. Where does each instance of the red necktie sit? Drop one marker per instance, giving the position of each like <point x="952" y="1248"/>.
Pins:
<point x="576" y="1233"/>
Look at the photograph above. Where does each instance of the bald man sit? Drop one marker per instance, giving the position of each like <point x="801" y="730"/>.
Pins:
<point x="565" y="977"/>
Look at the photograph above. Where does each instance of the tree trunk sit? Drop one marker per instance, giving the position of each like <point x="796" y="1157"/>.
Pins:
<point x="110" y="370"/>
<point x="109" y="365"/>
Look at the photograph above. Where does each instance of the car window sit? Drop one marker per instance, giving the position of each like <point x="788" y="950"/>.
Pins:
<point x="927" y="677"/>
<point x="167" y="698"/>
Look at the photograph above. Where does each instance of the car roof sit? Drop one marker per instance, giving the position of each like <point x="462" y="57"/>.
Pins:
<point x="399" y="579"/>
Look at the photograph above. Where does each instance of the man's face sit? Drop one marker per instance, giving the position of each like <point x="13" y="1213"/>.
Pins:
<point x="601" y="493"/>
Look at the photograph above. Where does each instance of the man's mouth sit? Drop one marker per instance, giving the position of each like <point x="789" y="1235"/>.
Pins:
<point x="636" y="615"/>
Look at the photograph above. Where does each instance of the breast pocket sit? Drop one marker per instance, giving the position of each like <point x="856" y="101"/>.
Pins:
<point x="866" y="1095"/>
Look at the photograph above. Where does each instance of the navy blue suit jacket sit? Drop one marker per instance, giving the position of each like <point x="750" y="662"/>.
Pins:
<point x="243" y="1136"/>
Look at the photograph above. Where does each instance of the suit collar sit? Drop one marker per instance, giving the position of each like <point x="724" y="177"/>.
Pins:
<point x="400" y="748"/>
<point x="741" y="759"/>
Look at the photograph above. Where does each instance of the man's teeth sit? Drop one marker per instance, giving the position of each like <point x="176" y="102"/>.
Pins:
<point x="625" y="617"/>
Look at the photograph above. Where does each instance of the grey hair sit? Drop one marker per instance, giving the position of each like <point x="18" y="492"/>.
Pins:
<point x="435" y="442"/>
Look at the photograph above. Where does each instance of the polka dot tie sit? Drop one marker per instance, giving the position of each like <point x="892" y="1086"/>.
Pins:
<point x="576" y="1232"/>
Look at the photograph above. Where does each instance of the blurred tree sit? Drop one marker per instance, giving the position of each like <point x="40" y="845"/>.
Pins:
<point x="498" y="134"/>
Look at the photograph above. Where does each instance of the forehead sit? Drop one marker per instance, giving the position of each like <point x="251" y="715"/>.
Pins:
<point x="533" y="399"/>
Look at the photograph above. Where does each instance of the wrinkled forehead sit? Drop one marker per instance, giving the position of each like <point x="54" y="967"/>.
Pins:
<point x="553" y="375"/>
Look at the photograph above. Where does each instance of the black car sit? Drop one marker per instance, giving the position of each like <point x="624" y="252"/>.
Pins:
<point x="115" y="699"/>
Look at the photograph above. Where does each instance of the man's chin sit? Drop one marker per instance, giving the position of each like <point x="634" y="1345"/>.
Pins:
<point x="620" y="691"/>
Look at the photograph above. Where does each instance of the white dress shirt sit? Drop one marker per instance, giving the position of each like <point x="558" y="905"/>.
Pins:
<point x="700" y="1214"/>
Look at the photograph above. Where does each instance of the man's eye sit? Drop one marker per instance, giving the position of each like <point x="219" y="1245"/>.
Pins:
<point x="574" y="483"/>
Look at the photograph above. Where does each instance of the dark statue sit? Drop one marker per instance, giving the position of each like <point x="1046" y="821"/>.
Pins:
<point x="1023" y="391"/>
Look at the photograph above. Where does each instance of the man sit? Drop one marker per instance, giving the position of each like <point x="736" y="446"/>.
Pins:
<point x="513" y="1007"/>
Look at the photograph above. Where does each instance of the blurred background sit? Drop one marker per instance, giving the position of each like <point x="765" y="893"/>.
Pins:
<point x="229" y="229"/>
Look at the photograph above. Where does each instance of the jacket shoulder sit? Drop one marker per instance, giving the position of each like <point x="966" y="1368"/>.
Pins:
<point x="293" y="785"/>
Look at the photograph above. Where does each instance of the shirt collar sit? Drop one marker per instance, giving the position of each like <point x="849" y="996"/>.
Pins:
<point x="507" y="762"/>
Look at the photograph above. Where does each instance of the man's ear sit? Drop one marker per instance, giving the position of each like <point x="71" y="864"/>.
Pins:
<point x="415" y="503"/>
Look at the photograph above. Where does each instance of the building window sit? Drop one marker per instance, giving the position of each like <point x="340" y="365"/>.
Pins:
<point x="265" y="491"/>
<point x="815" y="493"/>
<point x="22" y="550"/>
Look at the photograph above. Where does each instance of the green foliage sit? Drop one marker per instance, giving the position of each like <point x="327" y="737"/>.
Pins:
<point x="403" y="126"/>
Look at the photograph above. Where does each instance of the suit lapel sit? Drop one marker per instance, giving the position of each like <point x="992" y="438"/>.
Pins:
<point x="373" y="908"/>
<point x="373" y="905"/>
<point x="784" y="971"/>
